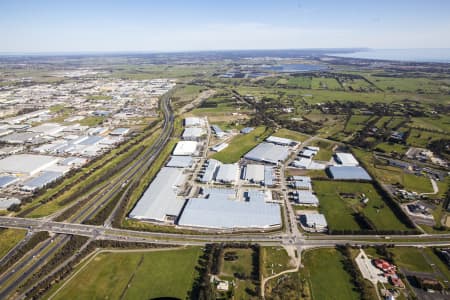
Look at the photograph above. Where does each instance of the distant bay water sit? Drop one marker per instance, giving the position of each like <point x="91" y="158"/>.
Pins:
<point x="441" y="55"/>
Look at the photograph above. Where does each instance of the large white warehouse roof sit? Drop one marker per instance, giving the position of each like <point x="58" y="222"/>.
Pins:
<point x="268" y="152"/>
<point x="218" y="211"/>
<point x="28" y="164"/>
<point x="160" y="200"/>
<point x="346" y="159"/>
<point x="185" y="148"/>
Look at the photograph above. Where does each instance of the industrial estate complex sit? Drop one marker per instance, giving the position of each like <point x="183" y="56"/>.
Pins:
<point x="257" y="180"/>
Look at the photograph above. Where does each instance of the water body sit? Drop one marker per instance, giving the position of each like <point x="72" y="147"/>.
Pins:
<point x="412" y="55"/>
<point x="293" y="68"/>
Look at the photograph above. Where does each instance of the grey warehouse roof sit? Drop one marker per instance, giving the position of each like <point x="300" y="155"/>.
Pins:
<point x="219" y="212"/>
<point x="5" y="203"/>
<point x="40" y="181"/>
<point x="314" y="219"/>
<point x="160" y="199"/>
<point x="307" y="197"/>
<point x="348" y="173"/>
<point x="210" y="171"/>
<point x="7" y="180"/>
<point x="227" y="173"/>
<point x="268" y="152"/>
<point x="180" y="162"/>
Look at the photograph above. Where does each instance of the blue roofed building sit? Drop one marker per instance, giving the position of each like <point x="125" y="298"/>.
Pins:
<point x="348" y="173"/>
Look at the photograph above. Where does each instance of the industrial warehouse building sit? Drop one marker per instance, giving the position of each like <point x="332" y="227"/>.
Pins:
<point x="280" y="141"/>
<point x="306" y="198"/>
<point x="314" y="222"/>
<point x="7" y="180"/>
<point x="180" y="162"/>
<point x="218" y="172"/>
<point x="194" y="122"/>
<point x="160" y="202"/>
<point x="227" y="173"/>
<point x="345" y="159"/>
<point x="348" y="173"/>
<point x="193" y="133"/>
<point x="259" y="174"/>
<point x="26" y="164"/>
<point x="221" y="210"/>
<point x="185" y="148"/>
<point x="40" y="181"/>
<point x="48" y="129"/>
<point x="268" y="152"/>
<point x="219" y="147"/>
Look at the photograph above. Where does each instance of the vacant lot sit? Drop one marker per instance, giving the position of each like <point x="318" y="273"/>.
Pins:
<point x="9" y="238"/>
<point x="135" y="275"/>
<point x="241" y="144"/>
<point x="290" y="134"/>
<point x="275" y="260"/>
<point x="325" y="83"/>
<point x="411" y="259"/>
<point x="326" y="276"/>
<point x="243" y="267"/>
<point x="338" y="210"/>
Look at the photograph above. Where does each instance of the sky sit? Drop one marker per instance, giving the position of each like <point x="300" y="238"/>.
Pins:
<point x="167" y="25"/>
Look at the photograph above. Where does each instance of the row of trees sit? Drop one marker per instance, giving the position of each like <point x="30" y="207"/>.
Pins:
<point x="363" y="286"/>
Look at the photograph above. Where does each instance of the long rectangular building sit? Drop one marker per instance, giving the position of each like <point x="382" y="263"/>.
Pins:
<point x="268" y="152"/>
<point x="220" y="212"/>
<point x="160" y="201"/>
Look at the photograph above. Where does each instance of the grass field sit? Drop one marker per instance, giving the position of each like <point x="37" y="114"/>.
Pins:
<point x="325" y="83"/>
<point x="411" y="259"/>
<point x="243" y="264"/>
<point x="408" y="84"/>
<point x="440" y="123"/>
<point x="290" y="134"/>
<point x="9" y="238"/>
<point x="326" y="275"/>
<point x="241" y="144"/>
<point x="420" y="184"/>
<point x="303" y="82"/>
<point x="356" y="123"/>
<point x="135" y="275"/>
<point x="275" y="260"/>
<point x="338" y="211"/>
<point x="392" y="147"/>
<point x="326" y="150"/>
<point x="420" y="138"/>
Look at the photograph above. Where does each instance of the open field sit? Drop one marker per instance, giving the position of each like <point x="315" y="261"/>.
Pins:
<point x="135" y="275"/>
<point x="326" y="276"/>
<point x="275" y="260"/>
<point x="439" y="123"/>
<point x="411" y="259"/>
<point x="325" y="83"/>
<point x="241" y="144"/>
<point x="290" y="134"/>
<point x="338" y="210"/>
<point x="420" y="138"/>
<point x="326" y="150"/>
<point x="303" y="82"/>
<point x="420" y="184"/>
<point x="356" y="123"/>
<point x="242" y="265"/>
<point x="426" y="85"/>
<point x="9" y="238"/>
